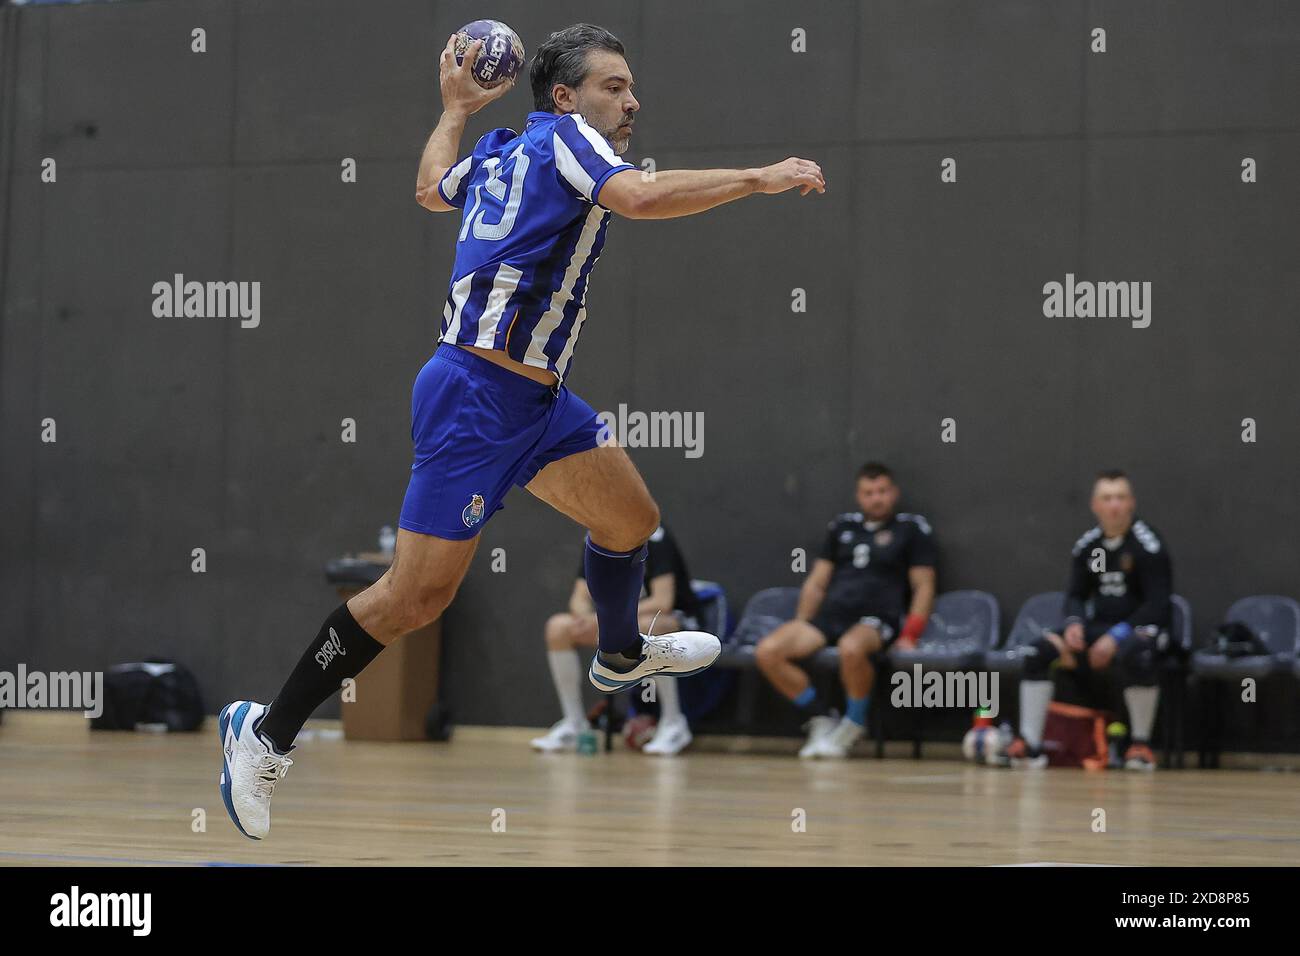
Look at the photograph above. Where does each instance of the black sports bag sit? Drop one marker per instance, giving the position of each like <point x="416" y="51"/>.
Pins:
<point x="155" y="694"/>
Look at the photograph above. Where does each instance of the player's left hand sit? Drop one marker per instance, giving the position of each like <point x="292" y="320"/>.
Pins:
<point x="792" y="173"/>
<point x="460" y="91"/>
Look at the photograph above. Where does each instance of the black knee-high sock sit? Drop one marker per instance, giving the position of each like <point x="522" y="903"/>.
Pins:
<point x="341" y="649"/>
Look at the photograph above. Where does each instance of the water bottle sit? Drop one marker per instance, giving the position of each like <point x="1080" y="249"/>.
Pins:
<point x="387" y="540"/>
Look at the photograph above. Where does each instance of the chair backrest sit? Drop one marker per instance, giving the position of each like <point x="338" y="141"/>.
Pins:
<point x="1181" y="615"/>
<point x="963" y="622"/>
<point x="1042" y="612"/>
<point x="714" y="617"/>
<point x="1273" y="618"/>
<point x="765" y="612"/>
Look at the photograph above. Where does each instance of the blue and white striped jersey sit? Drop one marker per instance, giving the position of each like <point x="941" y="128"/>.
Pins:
<point x="531" y="231"/>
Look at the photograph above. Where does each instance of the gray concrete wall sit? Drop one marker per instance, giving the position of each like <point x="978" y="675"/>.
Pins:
<point x="924" y="303"/>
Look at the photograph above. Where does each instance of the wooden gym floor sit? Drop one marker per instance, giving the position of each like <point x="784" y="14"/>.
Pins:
<point x="68" y="796"/>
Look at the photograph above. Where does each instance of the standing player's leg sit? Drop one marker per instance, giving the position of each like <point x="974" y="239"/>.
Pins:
<point x="257" y="739"/>
<point x="601" y="489"/>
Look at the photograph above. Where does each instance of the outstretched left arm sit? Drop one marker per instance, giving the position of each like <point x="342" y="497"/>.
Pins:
<point x="684" y="192"/>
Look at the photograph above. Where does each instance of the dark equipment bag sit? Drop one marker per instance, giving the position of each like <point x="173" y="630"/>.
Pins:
<point x="155" y="693"/>
<point x="1234" y="639"/>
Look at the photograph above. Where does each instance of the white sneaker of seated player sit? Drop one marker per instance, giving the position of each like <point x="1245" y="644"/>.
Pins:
<point x="817" y="727"/>
<point x="671" y="738"/>
<point x="839" y="742"/>
<point x="563" y="735"/>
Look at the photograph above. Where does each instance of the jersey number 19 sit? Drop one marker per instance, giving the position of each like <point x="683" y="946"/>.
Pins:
<point x="496" y="187"/>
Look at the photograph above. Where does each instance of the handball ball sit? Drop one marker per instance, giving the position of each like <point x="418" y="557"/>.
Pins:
<point x="985" y="744"/>
<point x="502" y="55"/>
<point x="638" y="731"/>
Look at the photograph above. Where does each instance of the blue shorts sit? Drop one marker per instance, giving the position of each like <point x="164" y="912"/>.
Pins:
<point x="478" y="429"/>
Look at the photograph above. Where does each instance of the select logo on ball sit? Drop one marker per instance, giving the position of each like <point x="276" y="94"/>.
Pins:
<point x="502" y="55"/>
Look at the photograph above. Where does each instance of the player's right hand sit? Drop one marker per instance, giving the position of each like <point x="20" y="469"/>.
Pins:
<point x="460" y="91"/>
<point x="789" y="174"/>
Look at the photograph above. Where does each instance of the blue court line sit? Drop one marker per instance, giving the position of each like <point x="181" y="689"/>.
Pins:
<point x="70" y="858"/>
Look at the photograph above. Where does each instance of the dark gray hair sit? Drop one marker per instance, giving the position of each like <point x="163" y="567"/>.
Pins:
<point x="562" y="58"/>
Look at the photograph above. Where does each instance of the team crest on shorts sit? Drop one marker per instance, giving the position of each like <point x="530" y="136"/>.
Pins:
<point x="473" y="512"/>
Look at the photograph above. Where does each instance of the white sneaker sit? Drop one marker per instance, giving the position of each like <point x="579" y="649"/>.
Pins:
<point x="817" y="728"/>
<point x="249" y="768"/>
<point x="671" y="738"/>
<point x="837" y="744"/>
<point x="562" y="736"/>
<point x="1036" y="762"/>
<point x="679" y="653"/>
<point x="1139" y="757"/>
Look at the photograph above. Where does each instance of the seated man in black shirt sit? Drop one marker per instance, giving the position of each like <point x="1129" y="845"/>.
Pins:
<point x="667" y="593"/>
<point x="1115" y="609"/>
<point x="874" y="567"/>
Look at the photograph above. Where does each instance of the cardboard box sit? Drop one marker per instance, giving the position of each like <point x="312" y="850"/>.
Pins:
<point x="395" y="693"/>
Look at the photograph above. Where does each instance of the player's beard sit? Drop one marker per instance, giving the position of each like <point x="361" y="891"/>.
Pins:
<point x="618" y="143"/>
<point x="619" y="137"/>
